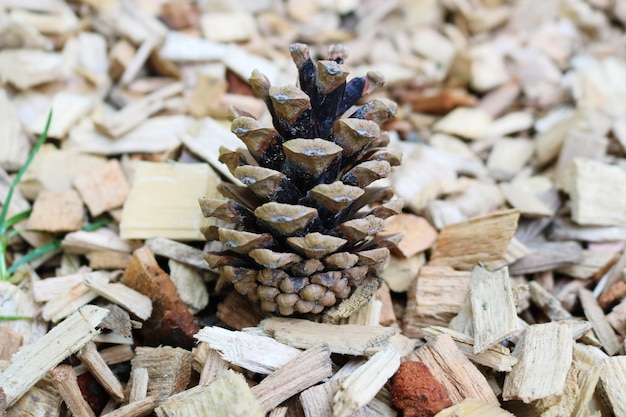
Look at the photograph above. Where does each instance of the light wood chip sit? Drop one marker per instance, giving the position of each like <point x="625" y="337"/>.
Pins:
<point x="57" y="212"/>
<point x="177" y="251"/>
<point x="612" y="376"/>
<point x="103" y="188"/>
<point x="473" y="407"/>
<point x="131" y="300"/>
<point x="598" y="320"/>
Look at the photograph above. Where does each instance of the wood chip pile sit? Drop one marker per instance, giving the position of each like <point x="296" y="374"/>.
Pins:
<point x="507" y="295"/>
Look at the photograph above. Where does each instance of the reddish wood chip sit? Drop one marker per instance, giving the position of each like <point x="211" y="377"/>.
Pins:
<point x="416" y="392"/>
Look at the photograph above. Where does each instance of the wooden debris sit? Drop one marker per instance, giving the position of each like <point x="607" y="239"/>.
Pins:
<point x="227" y="396"/>
<point x="104" y="188"/>
<point x="301" y="372"/>
<point x="598" y="320"/>
<point x="169" y="369"/>
<point x="82" y="242"/>
<point x="362" y="385"/>
<point x="481" y="239"/>
<point x="494" y="317"/>
<point x="496" y="357"/>
<point x="171" y="321"/>
<point x="25" y="68"/>
<point x="131" y="300"/>
<point x="14" y="145"/>
<point x="105" y="259"/>
<point x="65" y="382"/>
<point x="40" y="397"/>
<point x="255" y="353"/>
<point x="177" y="251"/>
<point x="416" y="392"/>
<point x="549" y="304"/>
<point x="190" y="285"/>
<point x="466" y="122"/>
<point x="90" y="357"/>
<point x="472" y="407"/>
<point x="68" y="109"/>
<point x="68" y="303"/>
<point x="12" y="341"/>
<point x="545" y="356"/>
<point x="57" y="212"/>
<point x="214" y="366"/>
<point x="180" y="186"/>
<point x="507" y="157"/>
<point x="594" y="264"/>
<point x="528" y="204"/>
<point x="612" y="374"/>
<point x="111" y="356"/>
<point x="421" y="238"/>
<point x="32" y="361"/>
<point x="399" y="272"/>
<point x="547" y="256"/>
<point x="346" y="339"/>
<point x="440" y="294"/>
<point x="454" y="371"/>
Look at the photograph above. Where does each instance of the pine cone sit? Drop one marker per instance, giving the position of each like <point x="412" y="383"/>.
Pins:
<point x="306" y="221"/>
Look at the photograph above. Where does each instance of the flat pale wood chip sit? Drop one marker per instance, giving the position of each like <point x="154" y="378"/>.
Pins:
<point x="508" y="157"/>
<point x="419" y="235"/>
<point x="31" y="363"/>
<point x="169" y="369"/>
<point x="598" y="320"/>
<point x="131" y="300"/>
<point x="612" y="377"/>
<point x="103" y="188"/>
<point x="92" y="359"/>
<point x="57" y="212"/>
<point x="472" y="407"/>
<point x="138" y="382"/>
<point x="482" y="239"/>
<point x="345" y="339"/>
<point x="494" y="317"/>
<point x="440" y="294"/>
<point x="545" y="357"/>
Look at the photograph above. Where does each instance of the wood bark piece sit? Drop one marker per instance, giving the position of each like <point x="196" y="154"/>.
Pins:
<point x="416" y="392"/>
<point x="598" y="320"/>
<point x="545" y="356"/>
<point x="344" y="339"/>
<point x="494" y="317"/>
<point x="421" y="237"/>
<point x="301" y="372"/>
<point x="171" y="321"/>
<point x="135" y="409"/>
<point x="455" y="372"/>
<point x="57" y="212"/>
<point x="440" y="294"/>
<point x="65" y="382"/>
<point x="612" y="377"/>
<point x="472" y="407"/>
<point x="496" y="357"/>
<point x="361" y="386"/>
<point x="31" y="363"/>
<point x="133" y="301"/>
<point x="175" y="215"/>
<point x="481" y="239"/>
<point x="256" y="353"/>
<point x="169" y="369"/>
<point x="227" y="396"/>
<point x="104" y="188"/>
<point x="90" y="357"/>
<point x="596" y="191"/>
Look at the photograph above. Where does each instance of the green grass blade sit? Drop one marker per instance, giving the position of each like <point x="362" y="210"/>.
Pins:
<point x="13" y="220"/>
<point x="96" y="225"/>
<point x="35" y="253"/>
<point x="20" y="173"/>
<point x="10" y="318"/>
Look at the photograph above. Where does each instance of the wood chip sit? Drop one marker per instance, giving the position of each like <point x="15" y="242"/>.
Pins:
<point x="421" y="238"/>
<point x="481" y="239"/>
<point x="547" y="256"/>
<point x="613" y="372"/>
<point x="169" y="369"/>
<point x="65" y="382"/>
<point x="31" y="363"/>
<point x="400" y="272"/>
<point x="104" y="188"/>
<point x="598" y="320"/>
<point x="345" y="339"/>
<point x="90" y="357"/>
<point x="440" y="294"/>
<point x="545" y="356"/>
<point x="57" y="212"/>
<point x="472" y="407"/>
<point x="466" y="122"/>
<point x="131" y="300"/>
<point x="508" y="156"/>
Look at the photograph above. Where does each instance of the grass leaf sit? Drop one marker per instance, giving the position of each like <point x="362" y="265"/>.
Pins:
<point x="35" y="253"/>
<point x="11" y="318"/>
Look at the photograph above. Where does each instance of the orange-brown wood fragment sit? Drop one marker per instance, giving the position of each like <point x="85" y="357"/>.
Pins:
<point x="419" y="235"/>
<point x="416" y="392"/>
<point x="171" y="322"/>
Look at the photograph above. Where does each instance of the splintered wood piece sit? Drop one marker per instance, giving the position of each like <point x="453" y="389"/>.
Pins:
<point x="545" y="356"/>
<point x="548" y="303"/>
<point x="214" y="366"/>
<point x="175" y="215"/>
<point x="400" y="272"/>
<point x="256" y="353"/>
<point x="362" y="385"/>
<point x="597" y="192"/>
<point x="508" y="156"/>
<point x="107" y="259"/>
<point x="301" y="372"/>
<point x="419" y="235"/>
<point x="103" y="188"/>
<point x="32" y="361"/>
<point x="349" y="339"/>
<point x="131" y="300"/>
<point x="472" y="407"/>
<point x="40" y="399"/>
<point x="82" y="242"/>
<point x="68" y="109"/>
<point x="481" y="239"/>
<point x="90" y="357"/>
<point x="598" y="320"/>
<point x="25" y="68"/>
<point x="612" y="377"/>
<point x="316" y="245"/>
<point x="494" y="317"/>
<point x="177" y="251"/>
<point x="525" y="201"/>
<point x="496" y="357"/>
<point x="57" y="212"/>
<point x="229" y="395"/>
<point x="68" y="303"/>
<point x="317" y="400"/>
<point x="135" y="409"/>
<point x="595" y="264"/>
<point x="287" y="219"/>
<point x="189" y="284"/>
<point x="65" y="382"/>
<point x="243" y="242"/>
<point x="617" y="317"/>
<point x="169" y="369"/>
<point x="580" y="144"/>
<point x="440" y="294"/>
<point x="12" y="341"/>
<point x="51" y="288"/>
<point x="366" y="173"/>
<point x="358" y="229"/>
<point x="111" y="356"/>
<point x="139" y="380"/>
<point x="335" y="196"/>
<point x="171" y="321"/>
<point x="455" y="372"/>
<point x="314" y="156"/>
<point x="273" y="260"/>
<point x="547" y="256"/>
<point x="354" y="134"/>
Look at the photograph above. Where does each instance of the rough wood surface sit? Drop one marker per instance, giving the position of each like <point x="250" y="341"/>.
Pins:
<point x="169" y="369"/>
